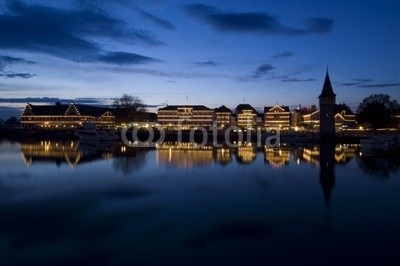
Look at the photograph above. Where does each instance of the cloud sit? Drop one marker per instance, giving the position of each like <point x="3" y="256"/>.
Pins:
<point x="354" y="82"/>
<point x="381" y="85"/>
<point x="12" y="75"/>
<point x="9" y="60"/>
<point x="258" y="22"/>
<point x="123" y="58"/>
<point x="262" y="70"/>
<point x="283" y="55"/>
<point x="158" y="21"/>
<point x="206" y="63"/>
<point x="64" y="33"/>
<point x="296" y="80"/>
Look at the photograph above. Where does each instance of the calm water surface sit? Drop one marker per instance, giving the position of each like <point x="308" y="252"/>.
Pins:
<point x="69" y="203"/>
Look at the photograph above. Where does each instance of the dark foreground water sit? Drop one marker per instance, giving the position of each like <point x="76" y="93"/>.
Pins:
<point x="64" y="203"/>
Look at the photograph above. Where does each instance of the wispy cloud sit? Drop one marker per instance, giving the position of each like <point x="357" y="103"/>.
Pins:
<point x="379" y="85"/>
<point x="285" y="54"/>
<point x="12" y="75"/>
<point x="123" y="58"/>
<point x="65" y="33"/>
<point x="258" y="22"/>
<point x="356" y="82"/>
<point x="262" y="70"/>
<point x="296" y="80"/>
<point x="206" y="63"/>
<point x="165" y="24"/>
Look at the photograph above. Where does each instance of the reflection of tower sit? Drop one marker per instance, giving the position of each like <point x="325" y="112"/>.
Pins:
<point x="327" y="169"/>
<point x="327" y="101"/>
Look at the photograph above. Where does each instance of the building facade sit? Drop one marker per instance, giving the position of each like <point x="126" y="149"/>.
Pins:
<point x="246" y="117"/>
<point x="327" y="102"/>
<point x="223" y="117"/>
<point x="62" y="116"/>
<point x="185" y="117"/>
<point x="277" y="118"/>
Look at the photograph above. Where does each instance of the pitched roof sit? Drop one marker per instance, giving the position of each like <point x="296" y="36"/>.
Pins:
<point x="285" y="108"/>
<point x="244" y="106"/>
<point x="58" y="109"/>
<point x="223" y="109"/>
<point x="343" y="107"/>
<point x="61" y="109"/>
<point x="194" y="107"/>
<point x="327" y="90"/>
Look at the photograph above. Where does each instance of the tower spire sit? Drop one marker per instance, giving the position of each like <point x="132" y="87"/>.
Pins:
<point x="327" y="90"/>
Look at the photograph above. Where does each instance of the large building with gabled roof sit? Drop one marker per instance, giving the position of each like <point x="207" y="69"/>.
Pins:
<point x="276" y="117"/>
<point x="65" y="116"/>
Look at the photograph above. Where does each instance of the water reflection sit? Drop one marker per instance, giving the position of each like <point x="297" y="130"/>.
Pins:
<point x="277" y="157"/>
<point x="187" y="155"/>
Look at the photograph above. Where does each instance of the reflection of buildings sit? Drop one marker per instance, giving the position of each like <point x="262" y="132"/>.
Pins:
<point x="327" y="170"/>
<point x="184" y="155"/>
<point x="276" y="157"/>
<point x="58" y="152"/>
<point x="246" y="154"/>
<point x="223" y="156"/>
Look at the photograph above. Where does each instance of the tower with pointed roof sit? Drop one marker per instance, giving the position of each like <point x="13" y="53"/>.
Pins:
<point x="327" y="102"/>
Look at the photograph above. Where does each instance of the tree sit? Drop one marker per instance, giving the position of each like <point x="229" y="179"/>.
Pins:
<point x="377" y="110"/>
<point x="129" y="101"/>
<point x="11" y="121"/>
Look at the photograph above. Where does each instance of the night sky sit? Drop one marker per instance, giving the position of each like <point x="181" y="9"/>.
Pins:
<point x="200" y="52"/>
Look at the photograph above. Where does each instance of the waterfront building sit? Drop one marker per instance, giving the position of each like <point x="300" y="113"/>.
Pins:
<point x="246" y="116"/>
<point x="305" y="119"/>
<point x="63" y="116"/>
<point x="185" y="117"/>
<point x="327" y="102"/>
<point x="276" y="118"/>
<point x="344" y="117"/>
<point x="223" y="117"/>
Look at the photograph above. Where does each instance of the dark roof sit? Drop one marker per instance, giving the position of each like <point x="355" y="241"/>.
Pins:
<point x="195" y="107"/>
<point x="61" y="109"/>
<point x="285" y="108"/>
<point x="48" y="109"/>
<point x="245" y="106"/>
<point x="343" y="107"/>
<point x="90" y="110"/>
<point x="223" y="109"/>
<point x="327" y="90"/>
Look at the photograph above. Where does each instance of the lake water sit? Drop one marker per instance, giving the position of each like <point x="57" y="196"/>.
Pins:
<point x="68" y="203"/>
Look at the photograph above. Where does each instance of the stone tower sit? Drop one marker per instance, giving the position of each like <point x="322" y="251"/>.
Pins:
<point x="327" y="102"/>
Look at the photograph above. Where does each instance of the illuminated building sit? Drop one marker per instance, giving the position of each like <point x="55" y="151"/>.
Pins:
<point x="246" y="116"/>
<point x="223" y="117"/>
<point x="62" y="116"/>
<point x="277" y="117"/>
<point x="185" y="117"/>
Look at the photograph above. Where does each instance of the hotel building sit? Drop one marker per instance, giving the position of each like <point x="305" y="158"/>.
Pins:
<point x="62" y="116"/>
<point x="246" y="116"/>
<point x="223" y="117"/>
<point x="277" y="118"/>
<point x="185" y="117"/>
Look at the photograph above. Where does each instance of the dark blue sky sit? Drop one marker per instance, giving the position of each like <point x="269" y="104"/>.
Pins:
<point x="213" y="52"/>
